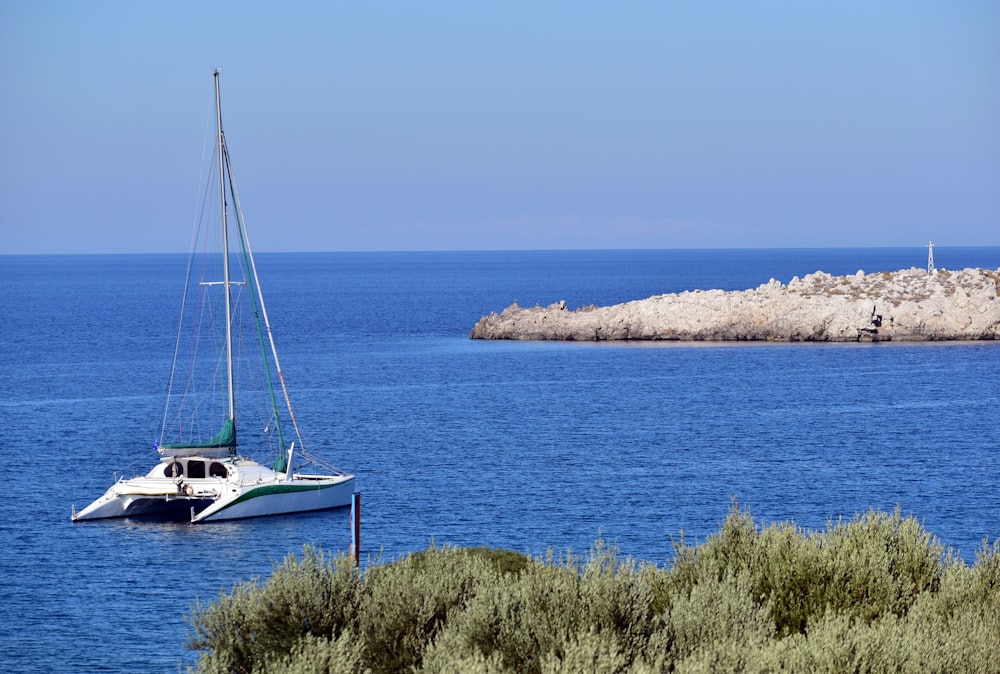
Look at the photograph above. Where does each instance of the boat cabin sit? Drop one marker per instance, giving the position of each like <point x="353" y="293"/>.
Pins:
<point x="190" y="468"/>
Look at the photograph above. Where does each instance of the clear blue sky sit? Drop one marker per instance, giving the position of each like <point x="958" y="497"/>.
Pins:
<point x="507" y="125"/>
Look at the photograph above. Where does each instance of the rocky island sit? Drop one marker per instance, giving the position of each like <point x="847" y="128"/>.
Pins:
<point x="911" y="304"/>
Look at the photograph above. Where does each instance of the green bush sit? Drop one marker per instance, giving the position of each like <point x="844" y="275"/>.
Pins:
<point x="302" y="598"/>
<point x="875" y="565"/>
<point x="404" y="605"/>
<point x="877" y="593"/>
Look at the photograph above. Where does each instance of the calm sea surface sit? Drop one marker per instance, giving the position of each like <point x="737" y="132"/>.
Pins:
<point x="528" y="446"/>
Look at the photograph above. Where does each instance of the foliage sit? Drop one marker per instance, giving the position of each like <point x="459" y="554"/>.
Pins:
<point x="878" y="593"/>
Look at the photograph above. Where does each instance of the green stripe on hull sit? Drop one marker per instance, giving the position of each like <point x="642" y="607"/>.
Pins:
<point x="272" y="489"/>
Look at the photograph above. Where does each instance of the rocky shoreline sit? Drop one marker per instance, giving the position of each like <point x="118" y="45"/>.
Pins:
<point x="910" y="304"/>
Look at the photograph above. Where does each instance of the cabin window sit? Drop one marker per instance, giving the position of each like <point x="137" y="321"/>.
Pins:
<point x="174" y="469"/>
<point x="217" y="470"/>
<point x="196" y="469"/>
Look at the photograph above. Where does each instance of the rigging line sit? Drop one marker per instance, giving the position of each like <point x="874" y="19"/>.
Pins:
<point x="196" y="228"/>
<point x="260" y="295"/>
<point x="202" y="308"/>
<point x="254" y="291"/>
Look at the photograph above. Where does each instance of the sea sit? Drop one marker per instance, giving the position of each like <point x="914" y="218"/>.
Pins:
<point x="530" y="446"/>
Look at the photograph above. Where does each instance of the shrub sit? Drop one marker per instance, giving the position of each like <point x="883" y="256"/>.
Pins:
<point x="308" y="597"/>
<point x="873" y="565"/>
<point x="405" y="604"/>
<point x="314" y="654"/>
<point x="877" y="593"/>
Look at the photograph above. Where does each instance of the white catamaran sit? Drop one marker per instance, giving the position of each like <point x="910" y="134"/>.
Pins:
<point x="207" y="479"/>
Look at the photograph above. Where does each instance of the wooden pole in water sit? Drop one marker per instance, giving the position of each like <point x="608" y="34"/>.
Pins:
<point x="356" y="528"/>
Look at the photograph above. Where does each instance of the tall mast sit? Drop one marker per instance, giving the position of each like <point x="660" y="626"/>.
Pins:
<point x="225" y="250"/>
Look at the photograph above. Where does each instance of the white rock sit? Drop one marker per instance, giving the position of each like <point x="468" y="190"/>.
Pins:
<point x="819" y="307"/>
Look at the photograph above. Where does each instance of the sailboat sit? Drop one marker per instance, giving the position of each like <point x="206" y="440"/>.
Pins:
<point x="202" y="473"/>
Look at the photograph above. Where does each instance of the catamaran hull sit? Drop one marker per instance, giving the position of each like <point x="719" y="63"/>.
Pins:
<point x="266" y="497"/>
<point x="280" y="498"/>
<point x="136" y="505"/>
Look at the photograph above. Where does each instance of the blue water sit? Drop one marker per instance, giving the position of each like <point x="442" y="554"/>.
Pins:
<point x="528" y="446"/>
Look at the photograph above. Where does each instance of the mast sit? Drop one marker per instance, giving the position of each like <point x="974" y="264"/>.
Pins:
<point x="225" y="252"/>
